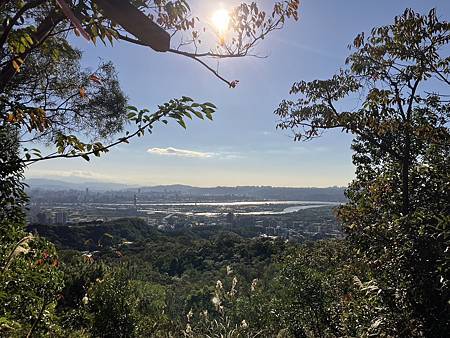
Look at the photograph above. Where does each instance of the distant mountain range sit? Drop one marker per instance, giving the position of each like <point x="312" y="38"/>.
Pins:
<point x="254" y="192"/>
<point x="50" y="184"/>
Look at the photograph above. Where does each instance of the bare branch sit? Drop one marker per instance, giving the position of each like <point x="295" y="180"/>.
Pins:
<point x="190" y="55"/>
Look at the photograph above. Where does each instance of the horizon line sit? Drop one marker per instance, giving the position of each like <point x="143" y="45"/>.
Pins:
<point x="153" y="185"/>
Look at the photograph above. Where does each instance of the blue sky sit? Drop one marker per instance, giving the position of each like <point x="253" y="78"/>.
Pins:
<point x="241" y="146"/>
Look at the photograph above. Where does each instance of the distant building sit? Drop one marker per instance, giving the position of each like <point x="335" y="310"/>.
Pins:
<point x="43" y="218"/>
<point x="32" y="212"/>
<point x="61" y="217"/>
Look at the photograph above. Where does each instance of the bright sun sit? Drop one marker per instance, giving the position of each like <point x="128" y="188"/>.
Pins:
<point x="221" y="20"/>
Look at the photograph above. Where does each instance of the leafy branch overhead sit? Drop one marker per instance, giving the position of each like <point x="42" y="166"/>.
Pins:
<point x="46" y="93"/>
<point x="247" y="26"/>
<point x="385" y="73"/>
<point x="69" y="146"/>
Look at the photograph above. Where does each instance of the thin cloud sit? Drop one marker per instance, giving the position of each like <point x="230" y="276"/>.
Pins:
<point x="179" y="152"/>
<point x="81" y="174"/>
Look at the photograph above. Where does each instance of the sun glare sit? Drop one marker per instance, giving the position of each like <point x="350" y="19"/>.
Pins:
<point x="221" y="20"/>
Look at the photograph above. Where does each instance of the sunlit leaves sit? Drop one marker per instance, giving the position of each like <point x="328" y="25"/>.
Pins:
<point x="407" y="49"/>
<point x="249" y="24"/>
<point x="16" y="63"/>
<point x="21" y="40"/>
<point x="82" y="92"/>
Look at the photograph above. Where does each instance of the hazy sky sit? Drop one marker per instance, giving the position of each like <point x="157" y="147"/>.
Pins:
<point x="241" y="146"/>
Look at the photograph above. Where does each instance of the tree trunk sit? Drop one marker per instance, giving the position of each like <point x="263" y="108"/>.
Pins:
<point x="405" y="173"/>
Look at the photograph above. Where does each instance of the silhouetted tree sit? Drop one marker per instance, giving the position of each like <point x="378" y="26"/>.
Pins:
<point x="397" y="215"/>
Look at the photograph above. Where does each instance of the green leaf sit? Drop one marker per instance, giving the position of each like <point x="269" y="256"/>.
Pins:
<point x="29" y="38"/>
<point x="208" y="111"/>
<point x="209" y="104"/>
<point x="198" y="114"/>
<point x="132" y="108"/>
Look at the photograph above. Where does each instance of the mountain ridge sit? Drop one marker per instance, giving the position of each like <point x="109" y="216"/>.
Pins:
<point x="254" y="192"/>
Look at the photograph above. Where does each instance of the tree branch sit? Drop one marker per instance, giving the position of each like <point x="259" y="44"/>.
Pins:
<point x="125" y="139"/>
<point x="192" y="56"/>
<point x="16" y="17"/>
<point x="41" y="34"/>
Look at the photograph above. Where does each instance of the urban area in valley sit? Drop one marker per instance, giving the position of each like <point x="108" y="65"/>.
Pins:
<point x="293" y="214"/>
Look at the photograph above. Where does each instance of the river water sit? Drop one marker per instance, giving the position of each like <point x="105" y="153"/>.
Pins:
<point x="212" y="209"/>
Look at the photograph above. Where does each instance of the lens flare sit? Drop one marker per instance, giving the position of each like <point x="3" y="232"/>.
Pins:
<point x="221" y="20"/>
